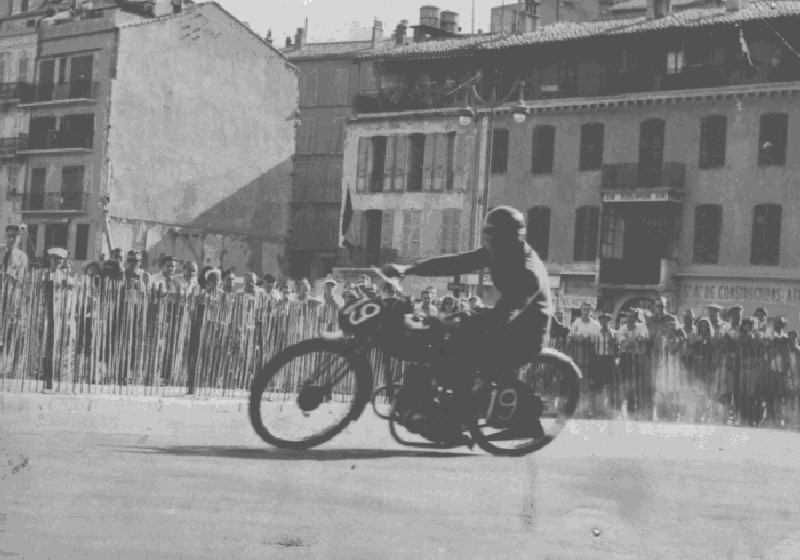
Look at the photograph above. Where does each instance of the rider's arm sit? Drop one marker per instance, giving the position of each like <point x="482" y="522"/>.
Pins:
<point x="451" y="265"/>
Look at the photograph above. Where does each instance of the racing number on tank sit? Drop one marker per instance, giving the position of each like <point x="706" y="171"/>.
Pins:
<point x="362" y="311"/>
<point x="505" y="400"/>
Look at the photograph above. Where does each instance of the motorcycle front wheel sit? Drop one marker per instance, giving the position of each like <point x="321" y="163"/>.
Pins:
<point x="308" y="393"/>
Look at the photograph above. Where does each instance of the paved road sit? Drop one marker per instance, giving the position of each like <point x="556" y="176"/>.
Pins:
<point x="200" y="485"/>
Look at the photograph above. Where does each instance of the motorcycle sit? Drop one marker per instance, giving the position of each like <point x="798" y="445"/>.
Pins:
<point x="323" y="384"/>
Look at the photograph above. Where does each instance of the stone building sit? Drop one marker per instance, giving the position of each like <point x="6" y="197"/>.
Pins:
<point x="657" y="156"/>
<point x="161" y="126"/>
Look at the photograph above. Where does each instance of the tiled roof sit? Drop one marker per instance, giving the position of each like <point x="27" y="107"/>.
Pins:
<point x="569" y="31"/>
<point x="310" y="50"/>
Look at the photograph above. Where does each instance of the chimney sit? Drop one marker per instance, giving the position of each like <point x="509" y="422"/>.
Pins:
<point x="400" y="33"/>
<point x="299" y="38"/>
<point x="377" y="33"/>
<point x="268" y="38"/>
<point x="736" y="5"/>
<point x="657" y="9"/>
<point x="288" y="42"/>
<point x="162" y="8"/>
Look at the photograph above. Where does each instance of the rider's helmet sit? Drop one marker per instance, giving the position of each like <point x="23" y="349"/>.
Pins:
<point x="505" y="222"/>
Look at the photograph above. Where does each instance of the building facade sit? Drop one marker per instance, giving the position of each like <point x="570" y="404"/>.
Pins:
<point x="166" y="129"/>
<point x="660" y="163"/>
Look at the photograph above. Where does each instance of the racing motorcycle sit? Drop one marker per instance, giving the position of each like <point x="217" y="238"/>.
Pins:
<point x="309" y="392"/>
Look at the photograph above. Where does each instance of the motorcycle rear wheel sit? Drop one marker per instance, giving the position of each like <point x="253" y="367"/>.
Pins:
<point x="555" y="379"/>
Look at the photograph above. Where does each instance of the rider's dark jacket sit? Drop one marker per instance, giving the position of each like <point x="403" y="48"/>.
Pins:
<point x="518" y="274"/>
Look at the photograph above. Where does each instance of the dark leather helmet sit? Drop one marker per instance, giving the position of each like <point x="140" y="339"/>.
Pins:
<point x="504" y="219"/>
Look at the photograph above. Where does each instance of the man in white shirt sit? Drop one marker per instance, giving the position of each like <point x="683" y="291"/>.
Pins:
<point x="585" y="325"/>
<point x="426" y="308"/>
<point x="330" y="297"/>
<point x="631" y="338"/>
<point x="250" y="285"/>
<point x="189" y="279"/>
<point x="718" y="327"/>
<point x="165" y="280"/>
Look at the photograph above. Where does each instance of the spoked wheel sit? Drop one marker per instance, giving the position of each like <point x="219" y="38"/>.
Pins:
<point x="383" y="400"/>
<point x="308" y="393"/>
<point x="529" y="407"/>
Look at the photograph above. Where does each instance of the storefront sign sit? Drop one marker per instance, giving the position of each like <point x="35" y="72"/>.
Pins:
<point x="579" y="269"/>
<point x="452" y="286"/>
<point x="641" y="197"/>
<point x="752" y="293"/>
<point x="575" y="302"/>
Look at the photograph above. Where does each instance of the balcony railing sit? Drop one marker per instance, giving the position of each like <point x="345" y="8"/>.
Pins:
<point x="361" y="258"/>
<point x="11" y="91"/>
<point x="55" y="202"/>
<point x="56" y="140"/>
<point x="47" y="92"/>
<point x="9" y="146"/>
<point x="670" y="174"/>
<point x="406" y="99"/>
<point x="638" y="272"/>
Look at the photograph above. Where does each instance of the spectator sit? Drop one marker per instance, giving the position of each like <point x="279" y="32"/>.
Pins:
<point x="558" y="330"/>
<point x="704" y="370"/>
<point x="659" y="322"/>
<point x="631" y="339"/>
<point x="93" y="269"/>
<point x="189" y="280"/>
<point x="585" y="325"/>
<point x="269" y="286"/>
<point x="735" y="314"/>
<point x="718" y="327"/>
<point x="228" y="280"/>
<point x="113" y="270"/>
<point x="116" y="255"/>
<point x="56" y="256"/>
<point x="426" y="309"/>
<point x="448" y="305"/>
<point x="751" y="351"/>
<point x="330" y="297"/>
<point x="250" y="285"/>
<point x="133" y="270"/>
<point x="213" y="278"/>
<point x="475" y="303"/>
<point x="15" y="261"/>
<point x="601" y="374"/>
<point x="303" y="291"/>
<point x="165" y="280"/>
<point x="286" y="293"/>
<point x="762" y="326"/>
<point x="201" y="279"/>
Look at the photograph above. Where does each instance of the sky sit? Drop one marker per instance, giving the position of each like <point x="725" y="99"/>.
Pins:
<point x="331" y="20"/>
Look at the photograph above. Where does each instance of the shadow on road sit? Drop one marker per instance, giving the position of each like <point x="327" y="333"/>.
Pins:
<point x="271" y="454"/>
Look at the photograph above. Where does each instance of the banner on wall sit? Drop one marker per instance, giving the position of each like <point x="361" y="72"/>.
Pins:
<point x="755" y="293"/>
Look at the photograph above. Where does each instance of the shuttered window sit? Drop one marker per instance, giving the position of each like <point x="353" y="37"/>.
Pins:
<point x="450" y="237"/>
<point x="341" y="85"/>
<point x="707" y="228"/>
<point x="416" y="157"/>
<point x="412" y="233"/>
<point x="766" y="243"/>
<point x="309" y="87"/>
<point x="450" y="160"/>
<point x="713" y="134"/>
<point x="543" y="150"/>
<point x="772" y="139"/>
<point x="591" y="154"/>
<point x="538" y="230"/>
<point x="587" y="222"/>
<point x="81" y="242"/>
<point x="307" y="135"/>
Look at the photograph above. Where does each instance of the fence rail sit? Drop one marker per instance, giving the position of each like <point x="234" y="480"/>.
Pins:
<point x="87" y="335"/>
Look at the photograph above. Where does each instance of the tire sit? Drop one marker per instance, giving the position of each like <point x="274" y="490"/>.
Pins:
<point x="569" y="388"/>
<point x="354" y="362"/>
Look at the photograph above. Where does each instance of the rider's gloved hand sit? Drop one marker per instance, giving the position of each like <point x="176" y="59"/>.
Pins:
<point x="394" y="270"/>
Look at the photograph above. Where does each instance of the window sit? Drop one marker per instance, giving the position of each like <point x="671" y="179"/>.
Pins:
<point x="500" y="150"/>
<point x="543" y="149"/>
<point x="81" y="242"/>
<point x="450" y="160"/>
<point x="675" y="62"/>
<point x="416" y="155"/>
<point x="72" y="187"/>
<point x="707" y="228"/>
<point x="55" y="235"/>
<point x="77" y="130"/>
<point x="766" y="244"/>
<point x="450" y="238"/>
<point x="772" y="139"/>
<point x="62" y="70"/>
<point x="36" y="193"/>
<point x="23" y="66"/>
<point x="412" y="233"/>
<point x="341" y="84"/>
<point x="23" y="6"/>
<point x="33" y="239"/>
<point x="538" y="231"/>
<point x="591" y="156"/>
<point x="651" y="151"/>
<point x="307" y="135"/>
<point x="338" y="135"/>
<point x="309" y="81"/>
<point x="712" y="141"/>
<point x="378" y="163"/>
<point x="587" y="222"/>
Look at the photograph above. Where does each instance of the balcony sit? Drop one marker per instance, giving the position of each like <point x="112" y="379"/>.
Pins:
<point x="653" y="273"/>
<point x="55" y="202"/>
<point x="48" y="93"/>
<point x="55" y="140"/>
<point x="406" y="99"/>
<point x="9" y="146"/>
<point x="10" y="91"/>
<point x="668" y="174"/>
<point x="361" y="258"/>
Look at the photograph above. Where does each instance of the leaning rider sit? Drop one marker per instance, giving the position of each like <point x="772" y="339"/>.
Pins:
<point x="519" y="320"/>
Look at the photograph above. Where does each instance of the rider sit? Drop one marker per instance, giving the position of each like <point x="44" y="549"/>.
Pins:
<point x="518" y="321"/>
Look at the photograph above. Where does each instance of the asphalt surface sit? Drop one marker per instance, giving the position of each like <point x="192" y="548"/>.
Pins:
<point x="167" y="481"/>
